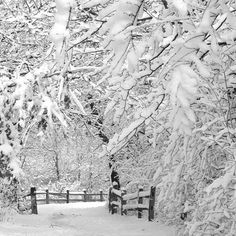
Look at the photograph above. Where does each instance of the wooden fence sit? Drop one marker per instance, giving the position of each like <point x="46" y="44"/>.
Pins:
<point x="119" y="200"/>
<point x="47" y="197"/>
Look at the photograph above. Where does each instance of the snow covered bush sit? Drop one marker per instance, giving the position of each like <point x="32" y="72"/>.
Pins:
<point x="171" y="70"/>
<point x="155" y="76"/>
<point x="215" y="210"/>
<point x="22" y="94"/>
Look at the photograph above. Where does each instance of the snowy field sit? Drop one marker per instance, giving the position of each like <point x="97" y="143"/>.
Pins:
<point x="80" y="219"/>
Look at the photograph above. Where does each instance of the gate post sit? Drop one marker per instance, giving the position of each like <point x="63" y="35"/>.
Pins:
<point x="85" y="195"/>
<point x="114" y="198"/>
<point x="101" y="196"/>
<point x="110" y="199"/>
<point x="33" y="200"/>
<point x="67" y="196"/>
<point x="47" y="196"/>
<point x="151" y="204"/>
<point x="140" y="201"/>
<point x="123" y="202"/>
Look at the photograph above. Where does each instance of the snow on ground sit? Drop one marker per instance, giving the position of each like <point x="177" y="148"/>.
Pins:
<point x="80" y="219"/>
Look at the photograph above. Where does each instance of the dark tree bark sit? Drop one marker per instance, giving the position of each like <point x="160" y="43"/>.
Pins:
<point x="57" y="166"/>
<point x="98" y="124"/>
<point x="165" y="3"/>
<point x="114" y="173"/>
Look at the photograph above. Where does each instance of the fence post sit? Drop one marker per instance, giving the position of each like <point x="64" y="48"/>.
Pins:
<point x="110" y="199"/>
<point x="114" y="198"/>
<point x="67" y="196"/>
<point x="151" y="204"/>
<point x="47" y="196"/>
<point x="140" y="201"/>
<point x="33" y="200"/>
<point x="101" y="196"/>
<point x="85" y="195"/>
<point x="123" y="202"/>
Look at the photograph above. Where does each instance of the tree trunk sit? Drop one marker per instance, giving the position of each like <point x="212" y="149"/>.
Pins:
<point x="114" y="173"/>
<point x="98" y="125"/>
<point x="57" y="166"/>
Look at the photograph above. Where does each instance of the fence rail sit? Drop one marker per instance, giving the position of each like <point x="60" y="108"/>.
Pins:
<point x="119" y="200"/>
<point x="48" y="197"/>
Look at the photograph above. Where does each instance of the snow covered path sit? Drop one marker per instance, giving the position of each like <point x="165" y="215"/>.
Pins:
<point x="80" y="219"/>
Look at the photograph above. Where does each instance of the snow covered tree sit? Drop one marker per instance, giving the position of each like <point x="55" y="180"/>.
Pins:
<point x="60" y="160"/>
<point x="161" y="68"/>
<point x="171" y="70"/>
<point x="23" y="98"/>
<point x="9" y="144"/>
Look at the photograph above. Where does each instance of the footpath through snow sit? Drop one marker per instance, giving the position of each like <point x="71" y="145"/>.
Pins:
<point x="80" y="219"/>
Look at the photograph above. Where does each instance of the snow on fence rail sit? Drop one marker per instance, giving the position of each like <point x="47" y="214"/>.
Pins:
<point x="119" y="200"/>
<point x="65" y="197"/>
